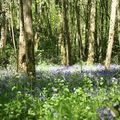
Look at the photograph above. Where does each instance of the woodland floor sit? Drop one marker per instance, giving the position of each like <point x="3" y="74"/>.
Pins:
<point x="96" y="70"/>
<point x="53" y="82"/>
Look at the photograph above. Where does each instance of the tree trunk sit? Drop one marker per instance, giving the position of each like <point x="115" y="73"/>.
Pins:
<point x="111" y="33"/>
<point x="104" y="28"/>
<point x="3" y="31"/>
<point x="62" y="42"/>
<point x="87" y="29"/>
<point x="12" y="28"/>
<point x="91" y="38"/>
<point x="96" y="36"/>
<point x="36" y="39"/>
<point x="118" y="21"/>
<point x="22" y="44"/>
<point x="66" y="33"/>
<point x="118" y="27"/>
<point x="30" y="58"/>
<point x="3" y="27"/>
<point x="79" y="30"/>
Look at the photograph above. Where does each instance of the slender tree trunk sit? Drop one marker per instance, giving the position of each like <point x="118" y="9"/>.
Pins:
<point x="3" y="31"/>
<point x="36" y="39"/>
<point x="63" y="52"/>
<point x="96" y="36"/>
<point x="106" y="33"/>
<point x="104" y="29"/>
<point x="66" y="32"/>
<point x="30" y="58"/>
<point x="102" y="41"/>
<point x="36" y="27"/>
<point x="62" y="42"/>
<point x="3" y="27"/>
<point x="48" y="15"/>
<point x="22" y="43"/>
<point x="71" y="16"/>
<point x="91" y="53"/>
<point x="12" y="27"/>
<point x="111" y="33"/>
<point x="87" y="29"/>
<point x="79" y="30"/>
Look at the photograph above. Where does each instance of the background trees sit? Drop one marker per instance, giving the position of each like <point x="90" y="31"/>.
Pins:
<point x="62" y="32"/>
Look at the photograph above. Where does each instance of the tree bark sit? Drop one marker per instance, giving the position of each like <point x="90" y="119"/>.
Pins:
<point x="87" y="29"/>
<point x="30" y="58"/>
<point x="118" y="27"/>
<point x="91" y="38"/>
<point x="111" y="33"/>
<point x="4" y="31"/>
<point x="22" y="43"/>
<point x="36" y="39"/>
<point x="12" y="28"/>
<point x="3" y="27"/>
<point x="66" y="33"/>
<point x="79" y="29"/>
<point x="118" y="21"/>
<point x="62" y="42"/>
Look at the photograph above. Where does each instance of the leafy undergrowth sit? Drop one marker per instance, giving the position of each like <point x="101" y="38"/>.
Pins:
<point x="59" y="96"/>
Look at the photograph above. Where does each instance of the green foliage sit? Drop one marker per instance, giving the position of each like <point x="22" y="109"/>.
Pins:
<point x="7" y="56"/>
<point x="55" y="100"/>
